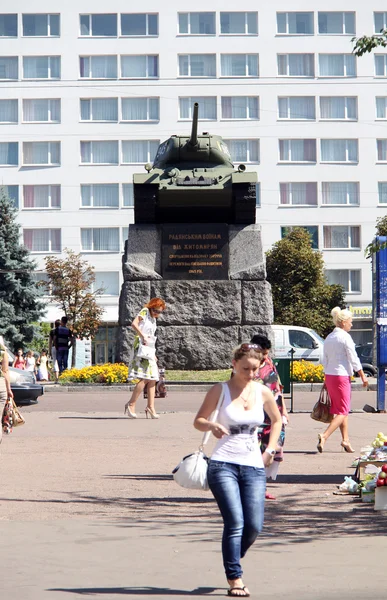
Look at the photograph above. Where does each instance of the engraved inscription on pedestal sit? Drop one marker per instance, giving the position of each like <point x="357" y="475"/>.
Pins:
<point x="195" y="251"/>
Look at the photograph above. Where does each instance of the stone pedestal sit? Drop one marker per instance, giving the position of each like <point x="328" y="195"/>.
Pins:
<point x="204" y="320"/>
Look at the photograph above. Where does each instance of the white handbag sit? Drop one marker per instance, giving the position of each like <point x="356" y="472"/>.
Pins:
<point x="148" y="351"/>
<point x="191" y="472"/>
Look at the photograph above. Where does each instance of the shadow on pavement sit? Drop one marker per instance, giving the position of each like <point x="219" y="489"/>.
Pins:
<point x="139" y="591"/>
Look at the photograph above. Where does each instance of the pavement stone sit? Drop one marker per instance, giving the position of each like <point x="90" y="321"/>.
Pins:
<point x="89" y="509"/>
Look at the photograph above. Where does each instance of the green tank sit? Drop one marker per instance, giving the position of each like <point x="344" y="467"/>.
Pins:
<point x="193" y="180"/>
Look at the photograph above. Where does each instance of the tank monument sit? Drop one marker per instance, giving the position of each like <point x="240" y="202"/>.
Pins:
<point x="195" y="243"/>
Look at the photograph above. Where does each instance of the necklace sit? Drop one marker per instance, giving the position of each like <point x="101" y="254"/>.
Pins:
<point x="244" y="399"/>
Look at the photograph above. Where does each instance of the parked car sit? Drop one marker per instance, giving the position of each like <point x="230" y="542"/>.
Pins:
<point x="24" y="387"/>
<point x="364" y="352"/>
<point x="306" y="343"/>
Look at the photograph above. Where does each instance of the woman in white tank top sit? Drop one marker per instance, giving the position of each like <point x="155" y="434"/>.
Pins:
<point x="236" y="472"/>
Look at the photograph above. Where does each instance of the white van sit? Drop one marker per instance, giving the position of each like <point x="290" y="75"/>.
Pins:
<point x="307" y="344"/>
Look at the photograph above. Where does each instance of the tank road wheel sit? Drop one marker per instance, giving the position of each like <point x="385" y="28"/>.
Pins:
<point x="145" y="203"/>
<point x="244" y="199"/>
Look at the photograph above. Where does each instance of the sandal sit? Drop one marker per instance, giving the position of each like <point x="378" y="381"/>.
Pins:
<point x="231" y="591"/>
<point x="269" y="496"/>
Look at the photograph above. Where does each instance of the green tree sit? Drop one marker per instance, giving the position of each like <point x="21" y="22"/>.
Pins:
<point x="376" y="245"/>
<point x="41" y="337"/>
<point x="365" y="44"/>
<point x="20" y="298"/>
<point x="301" y="295"/>
<point x="71" y="281"/>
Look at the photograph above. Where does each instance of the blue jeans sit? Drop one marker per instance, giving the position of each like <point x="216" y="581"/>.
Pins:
<point x="62" y="356"/>
<point x="240" y="494"/>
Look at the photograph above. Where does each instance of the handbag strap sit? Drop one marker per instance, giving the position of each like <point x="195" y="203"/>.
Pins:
<point x="213" y="417"/>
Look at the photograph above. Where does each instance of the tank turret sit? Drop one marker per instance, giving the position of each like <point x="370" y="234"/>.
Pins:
<point x="193" y="180"/>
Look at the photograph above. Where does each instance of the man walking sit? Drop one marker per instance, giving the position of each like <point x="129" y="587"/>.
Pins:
<point x="52" y="350"/>
<point x="63" y="340"/>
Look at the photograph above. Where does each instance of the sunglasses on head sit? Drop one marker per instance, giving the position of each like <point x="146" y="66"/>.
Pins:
<point x="247" y="347"/>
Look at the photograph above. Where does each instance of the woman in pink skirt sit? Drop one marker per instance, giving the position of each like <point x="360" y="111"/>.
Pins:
<point x="340" y="361"/>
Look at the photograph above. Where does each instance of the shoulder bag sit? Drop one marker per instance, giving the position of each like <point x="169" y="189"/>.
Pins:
<point x="322" y="407"/>
<point x="191" y="472"/>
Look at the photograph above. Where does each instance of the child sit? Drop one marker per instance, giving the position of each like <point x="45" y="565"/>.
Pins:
<point x="42" y="363"/>
<point x="31" y="363"/>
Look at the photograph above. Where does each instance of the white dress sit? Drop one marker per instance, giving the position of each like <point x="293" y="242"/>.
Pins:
<point x="142" y="368"/>
<point x="42" y="371"/>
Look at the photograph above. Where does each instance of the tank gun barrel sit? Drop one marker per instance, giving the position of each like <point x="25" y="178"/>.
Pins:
<point x="193" y="140"/>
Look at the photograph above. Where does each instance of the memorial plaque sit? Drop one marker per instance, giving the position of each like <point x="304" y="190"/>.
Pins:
<point x="195" y="251"/>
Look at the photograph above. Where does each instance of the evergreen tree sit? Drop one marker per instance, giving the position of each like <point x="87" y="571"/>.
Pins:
<point x="20" y="303"/>
<point x="301" y="294"/>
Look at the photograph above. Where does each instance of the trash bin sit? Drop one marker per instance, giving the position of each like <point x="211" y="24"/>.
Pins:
<point x="283" y="368"/>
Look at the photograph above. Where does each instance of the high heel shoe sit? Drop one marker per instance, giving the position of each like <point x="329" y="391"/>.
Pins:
<point x="321" y="442"/>
<point x="346" y="445"/>
<point x="128" y="412"/>
<point x="150" y="411"/>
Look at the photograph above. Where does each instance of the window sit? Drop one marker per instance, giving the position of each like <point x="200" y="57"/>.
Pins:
<point x="298" y="194"/>
<point x="297" y="151"/>
<point x="125" y="235"/>
<point x="244" y="150"/>
<point x="239" y="23"/>
<point x="42" y="282"/>
<point x="381" y="107"/>
<point x="12" y="192"/>
<point x="9" y="67"/>
<point x="344" y="237"/>
<point x="197" y="23"/>
<point x="380" y="21"/>
<point x="295" y="23"/>
<point x="8" y="25"/>
<point x="101" y="195"/>
<point x="107" y="282"/>
<point x="240" y="107"/>
<point x="350" y="280"/>
<point x="297" y="108"/>
<point x="338" y="107"/>
<point x="311" y="229"/>
<point x="295" y="65"/>
<point x="128" y="197"/>
<point x="41" y="25"/>
<point x="8" y="111"/>
<point x="98" y="67"/>
<point x="140" y="109"/>
<point x="345" y="151"/>
<point x="9" y="152"/>
<point x="139" y="66"/>
<point x="382" y="189"/>
<point x="381" y="65"/>
<point x="239" y="65"/>
<point x="42" y="240"/>
<point x="41" y="67"/>
<point x="104" y="239"/>
<point x="99" y="25"/>
<point x="99" y="153"/>
<point x="139" y="151"/>
<point x="330" y="23"/>
<point x="41" y="153"/>
<point x="41" y="110"/>
<point x="207" y="107"/>
<point x="301" y="339"/>
<point x="382" y="150"/>
<point x="258" y="195"/>
<point x="138" y="24"/>
<point x="41" y="196"/>
<point x="197" y="65"/>
<point x="340" y="192"/>
<point x="99" y="109"/>
<point x="337" y="65"/>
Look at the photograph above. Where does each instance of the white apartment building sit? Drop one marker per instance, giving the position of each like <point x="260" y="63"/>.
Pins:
<point x="87" y="93"/>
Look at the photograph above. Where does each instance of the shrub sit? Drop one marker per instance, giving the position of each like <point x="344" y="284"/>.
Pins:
<point x="108" y="373"/>
<point x="307" y="372"/>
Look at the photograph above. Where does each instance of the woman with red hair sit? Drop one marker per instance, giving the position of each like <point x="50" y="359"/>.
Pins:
<point x="143" y="363"/>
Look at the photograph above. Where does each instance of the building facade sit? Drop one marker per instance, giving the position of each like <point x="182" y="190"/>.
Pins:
<point x="86" y="95"/>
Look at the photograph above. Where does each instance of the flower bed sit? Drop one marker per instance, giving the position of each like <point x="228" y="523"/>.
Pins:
<point x="307" y="372"/>
<point x="108" y="373"/>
